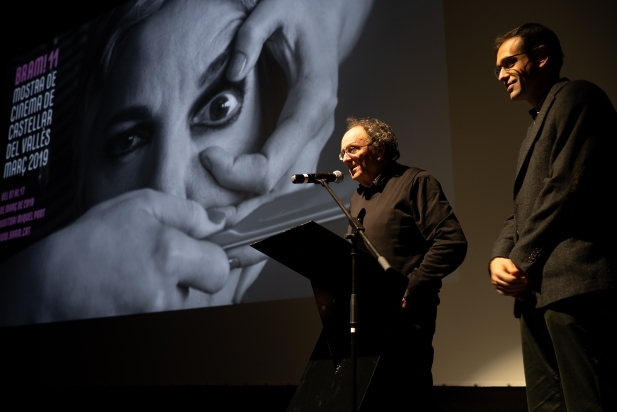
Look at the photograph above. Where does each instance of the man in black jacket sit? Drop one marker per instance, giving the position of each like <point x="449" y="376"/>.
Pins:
<point x="556" y="252"/>
<point x="408" y="219"/>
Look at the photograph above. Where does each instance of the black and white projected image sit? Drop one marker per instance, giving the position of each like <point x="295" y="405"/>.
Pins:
<point x="176" y="127"/>
<point x="180" y="136"/>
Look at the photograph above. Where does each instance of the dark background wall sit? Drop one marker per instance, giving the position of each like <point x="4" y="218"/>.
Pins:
<point x="477" y="339"/>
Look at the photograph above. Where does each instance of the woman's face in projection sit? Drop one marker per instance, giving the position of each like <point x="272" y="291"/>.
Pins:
<point x="168" y="100"/>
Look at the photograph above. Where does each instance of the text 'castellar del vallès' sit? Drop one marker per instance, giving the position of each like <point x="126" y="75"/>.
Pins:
<point x="31" y="115"/>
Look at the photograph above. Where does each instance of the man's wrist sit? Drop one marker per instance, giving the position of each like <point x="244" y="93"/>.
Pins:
<point x="413" y="283"/>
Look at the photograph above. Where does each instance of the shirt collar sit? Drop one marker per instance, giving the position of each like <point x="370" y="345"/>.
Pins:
<point x="379" y="182"/>
<point x="536" y="110"/>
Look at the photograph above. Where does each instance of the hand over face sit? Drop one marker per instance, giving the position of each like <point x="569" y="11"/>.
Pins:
<point x="308" y="39"/>
<point x="138" y="252"/>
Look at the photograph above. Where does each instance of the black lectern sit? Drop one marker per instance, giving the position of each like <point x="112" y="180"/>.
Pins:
<point x="324" y="258"/>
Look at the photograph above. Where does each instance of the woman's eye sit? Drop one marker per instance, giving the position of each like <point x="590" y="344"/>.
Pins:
<point x="218" y="111"/>
<point x="124" y="144"/>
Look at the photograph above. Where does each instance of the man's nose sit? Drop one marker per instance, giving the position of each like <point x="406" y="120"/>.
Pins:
<point x="503" y="73"/>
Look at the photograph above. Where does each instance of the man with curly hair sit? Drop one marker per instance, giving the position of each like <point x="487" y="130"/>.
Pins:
<point x="408" y="219"/>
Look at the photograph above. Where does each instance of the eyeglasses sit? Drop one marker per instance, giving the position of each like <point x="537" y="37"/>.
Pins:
<point x="351" y="150"/>
<point x="507" y="63"/>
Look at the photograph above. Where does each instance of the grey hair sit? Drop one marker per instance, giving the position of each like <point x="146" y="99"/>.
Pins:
<point x="381" y="134"/>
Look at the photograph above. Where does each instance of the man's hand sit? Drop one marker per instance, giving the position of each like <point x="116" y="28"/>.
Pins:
<point x="506" y="278"/>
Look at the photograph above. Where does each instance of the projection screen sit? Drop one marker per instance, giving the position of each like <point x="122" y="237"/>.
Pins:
<point x="143" y="156"/>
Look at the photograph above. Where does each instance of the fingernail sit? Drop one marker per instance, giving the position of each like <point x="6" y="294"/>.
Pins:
<point x="216" y="216"/>
<point x="236" y="66"/>
<point x="234" y="263"/>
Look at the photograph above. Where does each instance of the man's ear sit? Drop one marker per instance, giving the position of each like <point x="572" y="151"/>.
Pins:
<point x="380" y="151"/>
<point x="541" y="55"/>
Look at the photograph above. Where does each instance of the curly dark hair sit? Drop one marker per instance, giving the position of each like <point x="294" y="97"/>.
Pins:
<point x="381" y="134"/>
<point x="533" y="35"/>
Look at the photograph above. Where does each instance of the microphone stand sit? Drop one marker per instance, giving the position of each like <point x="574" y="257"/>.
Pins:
<point x="358" y="230"/>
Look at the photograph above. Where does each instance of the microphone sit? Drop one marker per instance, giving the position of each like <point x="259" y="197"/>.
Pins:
<point x="336" y="177"/>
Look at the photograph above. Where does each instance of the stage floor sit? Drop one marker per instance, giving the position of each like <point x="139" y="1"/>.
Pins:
<point x="447" y="398"/>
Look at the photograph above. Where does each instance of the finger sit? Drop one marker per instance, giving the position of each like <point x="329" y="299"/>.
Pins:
<point x="235" y="214"/>
<point x="261" y="23"/>
<point x="226" y="294"/>
<point x="185" y="215"/>
<point x="245" y="256"/>
<point x="247" y="277"/>
<point x="511" y="268"/>
<point x="198" y="264"/>
<point x="244" y="172"/>
<point x="259" y="172"/>
<point x="511" y="288"/>
<point x="306" y="123"/>
<point x="509" y="281"/>
<point x="309" y="107"/>
<point x="503" y="278"/>
<point x="512" y="293"/>
<point x="310" y="103"/>
<point x="496" y="276"/>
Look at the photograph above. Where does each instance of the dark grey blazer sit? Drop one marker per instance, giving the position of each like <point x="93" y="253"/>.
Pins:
<point x="562" y="231"/>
